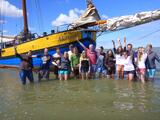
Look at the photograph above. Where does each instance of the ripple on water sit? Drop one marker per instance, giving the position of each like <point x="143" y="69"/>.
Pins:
<point x="123" y="106"/>
<point x="76" y="98"/>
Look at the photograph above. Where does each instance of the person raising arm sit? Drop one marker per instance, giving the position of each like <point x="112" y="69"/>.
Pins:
<point x="92" y="56"/>
<point x="119" y="59"/>
<point x="26" y="66"/>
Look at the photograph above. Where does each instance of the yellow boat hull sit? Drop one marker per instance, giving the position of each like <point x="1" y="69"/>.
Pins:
<point x="52" y="41"/>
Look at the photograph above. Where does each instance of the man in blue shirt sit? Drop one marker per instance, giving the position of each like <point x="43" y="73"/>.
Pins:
<point x="150" y="62"/>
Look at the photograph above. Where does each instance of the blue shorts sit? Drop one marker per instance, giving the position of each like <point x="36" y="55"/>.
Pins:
<point x="63" y="72"/>
<point x="151" y="73"/>
<point x="24" y="74"/>
<point x="93" y="69"/>
<point x="101" y="70"/>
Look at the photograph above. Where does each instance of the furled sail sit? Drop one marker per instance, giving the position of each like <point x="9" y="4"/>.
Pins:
<point x="90" y="15"/>
<point x="122" y="22"/>
<point x="92" y="18"/>
<point x="6" y="38"/>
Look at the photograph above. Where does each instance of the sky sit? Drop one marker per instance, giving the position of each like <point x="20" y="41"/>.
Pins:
<point x="44" y="15"/>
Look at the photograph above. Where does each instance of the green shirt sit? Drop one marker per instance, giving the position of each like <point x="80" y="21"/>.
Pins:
<point x="74" y="60"/>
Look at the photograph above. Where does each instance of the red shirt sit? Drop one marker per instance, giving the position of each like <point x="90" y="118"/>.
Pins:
<point x="92" y="56"/>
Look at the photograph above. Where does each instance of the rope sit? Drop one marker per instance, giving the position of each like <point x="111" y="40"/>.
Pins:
<point x="149" y="34"/>
<point x="39" y="15"/>
<point x="140" y="38"/>
<point x="2" y="18"/>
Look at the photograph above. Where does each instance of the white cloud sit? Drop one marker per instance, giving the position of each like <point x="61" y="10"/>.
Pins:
<point x="2" y="21"/>
<point x="4" y="31"/>
<point x="32" y="28"/>
<point x="9" y="10"/>
<point x="66" y="19"/>
<point x="104" y="16"/>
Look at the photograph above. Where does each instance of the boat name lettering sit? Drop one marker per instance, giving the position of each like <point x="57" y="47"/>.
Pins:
<point x="68" y="37"/>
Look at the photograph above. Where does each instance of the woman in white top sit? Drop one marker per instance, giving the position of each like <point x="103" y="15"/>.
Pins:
<point x="56" y="57"/>
<point x="129" y="69"/>
<point x="119" y="59"/>
<point x="142" y="57"/>
<point x="70" y="52"/>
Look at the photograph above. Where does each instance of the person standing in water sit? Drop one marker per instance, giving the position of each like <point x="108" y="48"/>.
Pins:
<point x="129" y="69"/>
<point x="100" y="66"/>
<point x="129" y="49"/>
<point x="70" y="52"/>
<point x="84" y="66"/>
<point x="110" y="64"/>
<point x="141" y="60"/>
<point x="64" y="67"/>
<point x="152" y="57"/>
<point x="55" y="58"/>
<point x="75" y="62"/>
<point x="119" y="59"/>
<point x="26" y="66"/>
<point x="44" y="69"/>
<point x="92" y="55"/>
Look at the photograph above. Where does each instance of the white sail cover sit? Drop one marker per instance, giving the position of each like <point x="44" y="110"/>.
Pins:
<point x="6" y="38"/>
<point x="90" y="15"/>
<point x="131" y="20"/>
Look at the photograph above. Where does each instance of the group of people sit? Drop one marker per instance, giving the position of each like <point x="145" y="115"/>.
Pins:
<point x="122" y="61"/>
<point x="139" y="64"/>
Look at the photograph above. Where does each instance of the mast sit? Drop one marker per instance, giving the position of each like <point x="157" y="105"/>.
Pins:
<point x="25" y="17"/>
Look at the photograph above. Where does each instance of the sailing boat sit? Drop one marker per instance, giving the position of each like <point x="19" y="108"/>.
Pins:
<point x="78" y="30"/>
<point x="26" y="42"/>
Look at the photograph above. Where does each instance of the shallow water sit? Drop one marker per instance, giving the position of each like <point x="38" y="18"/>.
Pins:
<point x="77" y="100"/>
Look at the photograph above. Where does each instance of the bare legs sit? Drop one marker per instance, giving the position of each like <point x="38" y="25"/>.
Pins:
<point x="120" y="71"/>
<point x="130" y="76"/>
<point x="110" y="76"/>
<point x="85" y="76"/>
<point x="63" y="77"/>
